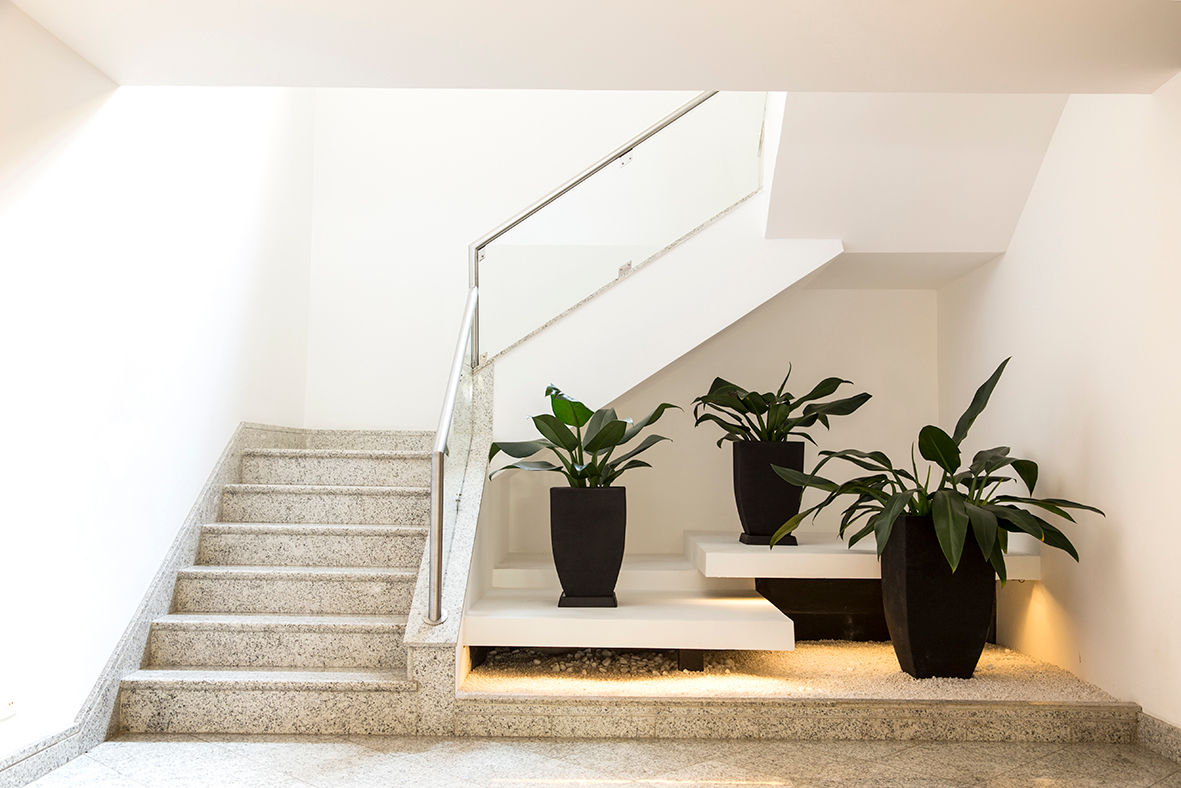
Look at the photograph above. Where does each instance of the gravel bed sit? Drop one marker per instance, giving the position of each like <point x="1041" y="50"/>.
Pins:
<point x="819" y="669"/>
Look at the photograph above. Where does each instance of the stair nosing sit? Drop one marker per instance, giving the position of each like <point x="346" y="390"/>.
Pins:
<point x="349" y="454"/>
<point x="325" y="529"/>
<point x="278" y="622"/>
<point x="258" y="571"/>
<point x="324" y="489"/>
<point x="273" y="679"/>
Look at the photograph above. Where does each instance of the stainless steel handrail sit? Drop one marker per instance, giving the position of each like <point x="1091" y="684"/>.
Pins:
<point x="476" y="248"/>
<point x="435" y="614"/>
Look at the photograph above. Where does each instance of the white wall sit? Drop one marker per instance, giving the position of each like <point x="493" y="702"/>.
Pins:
<point x="155" y="281"/>
<point x="404" y="181"/>
<point x="1085" y="301"/>
<point x="689" y="487"/>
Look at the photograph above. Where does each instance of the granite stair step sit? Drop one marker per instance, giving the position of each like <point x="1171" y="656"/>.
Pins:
<point x="311" y="544"/>
<point x="297" y="590"/>
<point x="344" y="504"/>
<point x="291" y="701"/>
<point x="336" y="467"/>
<point x="371" y="440"/>
<point x="267" y="640"/>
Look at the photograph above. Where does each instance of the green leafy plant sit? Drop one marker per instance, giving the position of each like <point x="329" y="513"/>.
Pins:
<point x="582" y="441"/>
<point x="774" y="416"/>
<point x="966" y="499"/>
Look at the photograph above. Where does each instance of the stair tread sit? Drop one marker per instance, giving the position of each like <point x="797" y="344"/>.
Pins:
<point x="248" y="571"/>
<point x="271" y="678"/>
<point x="378" y="529"/>
<point x="349" y="454"/>
<point x="277" y="621"/>
<point x="325" y="489"/>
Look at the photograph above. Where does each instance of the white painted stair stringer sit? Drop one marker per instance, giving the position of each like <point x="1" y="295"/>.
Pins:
<point x="654" y="316"/>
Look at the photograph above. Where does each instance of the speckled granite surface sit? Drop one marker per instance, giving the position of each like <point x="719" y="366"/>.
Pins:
<point x="282" y="503"/>
<point x="336" y="467"/>
<point x="280" y="589"/>
<point x="339" y="761"/>
<point x="261" y="544"/>
<point x="1159" y="736"/>
<point x="278" y="641"/>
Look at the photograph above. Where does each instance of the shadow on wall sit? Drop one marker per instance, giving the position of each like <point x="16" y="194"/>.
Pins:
<point x="48" y="94"/>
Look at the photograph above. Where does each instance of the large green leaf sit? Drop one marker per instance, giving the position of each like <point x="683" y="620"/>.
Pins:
<point x="608" y="436"/>
<point x="990" y="460"/>
<point x="596" y="422"/>
<point x="937" y="446"/>
<point x="644" y="445"/>
<point x="824" y="388"/>
<point x="518" y="449"/>
<point x="1027" y="470"/>
<point x="838" y="407"/>
<point x="529" y="466"/>
<point x="651" y="418"/>
<point x="556" y="431"/>
<point x="997" y="559"/>
<point x="789" y="526"/>
<point x="979" y="401"/>
<point x="984" y="527"/>
<point x="1049" y="506"/>
<point x="951" y="524"/>
<point x="1020" y="519"/>
<point x="1055" y="538"/>
<point x="779" y="391"/>
<point x="883" y="522"/>
<point x="800" y="479"/>
<point x="572" y="412"/>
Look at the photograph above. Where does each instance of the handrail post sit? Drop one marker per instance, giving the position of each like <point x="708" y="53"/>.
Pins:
<point x="435" y="613"/>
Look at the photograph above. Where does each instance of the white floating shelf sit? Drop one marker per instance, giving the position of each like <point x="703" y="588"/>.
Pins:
<point x="640" y="572"/>
<point x="720" y="554"/>
<point x="644" y="619"/>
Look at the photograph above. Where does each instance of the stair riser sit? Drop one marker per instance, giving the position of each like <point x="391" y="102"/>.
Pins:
<point x="182" y="710"/>
<point x="364" y="471"/>
<point x="229" y="549"/>
<point x="275" y="649"/>
<point x="370" y="440"/>
<point x="283" y="507"/>
<point x="252" y="595"/>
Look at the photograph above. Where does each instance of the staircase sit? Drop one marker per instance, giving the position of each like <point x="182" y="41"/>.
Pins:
<point x="292" y="619"/>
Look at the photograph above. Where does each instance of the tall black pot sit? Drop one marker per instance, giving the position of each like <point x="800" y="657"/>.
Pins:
<point x="938" y="620"/>
<point x="587" y="527"/>
<point x="764" y="500"/>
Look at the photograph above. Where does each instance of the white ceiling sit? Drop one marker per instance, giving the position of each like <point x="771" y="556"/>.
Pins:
<point x="1047" y="46"/>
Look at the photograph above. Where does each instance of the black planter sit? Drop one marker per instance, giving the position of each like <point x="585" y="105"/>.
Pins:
<point x="764" y="500"/>
<point x="938" y="621"/>
<point x="587" y="527"/>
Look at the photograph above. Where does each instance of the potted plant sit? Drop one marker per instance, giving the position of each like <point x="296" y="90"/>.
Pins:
<point x="760" y="427"/>
<point x="938" y="586"/>
<point x="588" y="518"/>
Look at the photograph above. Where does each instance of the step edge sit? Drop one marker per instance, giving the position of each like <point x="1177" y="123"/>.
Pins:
<point x="314" y="529"/>
<point x="324" y="489"/>
<point x="346" y="454"/>
<point x="309" y="573"/>
<point x="262" y="622"/>
<point x="212" y="679"/>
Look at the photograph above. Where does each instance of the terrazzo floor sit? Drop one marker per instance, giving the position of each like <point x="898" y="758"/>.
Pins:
<point x="817" y="669"/>
<point x="325" y="762"/>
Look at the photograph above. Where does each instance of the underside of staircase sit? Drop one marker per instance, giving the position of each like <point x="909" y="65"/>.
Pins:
<point x="292" y="619"/>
